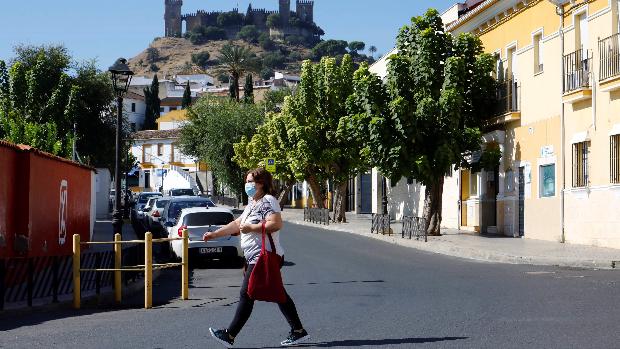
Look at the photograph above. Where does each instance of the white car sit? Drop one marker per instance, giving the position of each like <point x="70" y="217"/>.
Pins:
<point x="199" y="220"/>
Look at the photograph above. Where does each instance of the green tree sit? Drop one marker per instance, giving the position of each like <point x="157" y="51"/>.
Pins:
<point x="273" y="21"/>
<point x="248" y="90"/>
<point x="356" y="46"/>
<point x="264" y="40"/>
<point x="227" y="19"/>
<point x="249" y="34"/>
<point x="273" y="60"/>
<point x="215" y="124"/>
<point x="201" y="59"/>
<point x="329" y="48"/>
<point x="152" y="55"/>
<point x="372" y="49"/>
<point x="153" y="104"/>
<point x="274" y="99"/>
<point x="440" y="91"/>
<point x="187" y="97"/>
<point x="237" y="61"/>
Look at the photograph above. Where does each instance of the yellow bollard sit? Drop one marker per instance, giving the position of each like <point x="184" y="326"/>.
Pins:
<point x="185" y="266"/>
<point x="148" y="270"/>
<point x="76" y="272"/>
<point x="118" y="249"/>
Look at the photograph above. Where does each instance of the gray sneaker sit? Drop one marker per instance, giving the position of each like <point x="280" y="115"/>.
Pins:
<point x="295" y="338"/>
<point x="222" y="336"/>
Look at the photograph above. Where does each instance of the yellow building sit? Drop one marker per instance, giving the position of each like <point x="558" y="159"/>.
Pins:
<point x="558" y="126"/>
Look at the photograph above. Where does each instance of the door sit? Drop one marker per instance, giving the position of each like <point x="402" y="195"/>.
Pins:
<point x="366" y="193"/>
<point x="350" y="202"/>
<point x="147" y="179"/>
<point x="521" y="201"/>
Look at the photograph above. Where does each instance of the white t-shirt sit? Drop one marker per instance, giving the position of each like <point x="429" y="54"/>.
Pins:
<point x="254" y="213"/>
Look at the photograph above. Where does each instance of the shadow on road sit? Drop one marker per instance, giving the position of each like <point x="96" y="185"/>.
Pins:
<point x="372" y="342"/>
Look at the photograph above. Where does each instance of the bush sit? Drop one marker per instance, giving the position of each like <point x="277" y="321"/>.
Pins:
<point x="266" y="73"/>
<point x="204" y="34"/>
<point x="273" y="60"/>
<point x="295" y="40"/>
<point x="228" y="19"/>
<point x="248" y="33"/>
<point x="223" y="78"/>
<point x="201" y="59"/>
<point x="273" y="20"/>
<point x="264" y="40"/>
<point x="154" y="67"/>
<point x="152" y="54"/>
<point x="295" y="56"/>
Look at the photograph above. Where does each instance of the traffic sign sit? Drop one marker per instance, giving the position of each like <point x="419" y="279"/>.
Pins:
<point x="270" y="165"/>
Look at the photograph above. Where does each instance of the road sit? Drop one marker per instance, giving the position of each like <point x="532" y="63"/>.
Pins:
<point x="354" y="292"/>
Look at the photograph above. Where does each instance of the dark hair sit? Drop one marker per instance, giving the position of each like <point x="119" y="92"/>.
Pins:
<point x="265" y="178"/>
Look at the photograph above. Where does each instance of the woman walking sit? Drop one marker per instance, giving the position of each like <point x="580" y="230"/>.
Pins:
<point x="262" y="207"/>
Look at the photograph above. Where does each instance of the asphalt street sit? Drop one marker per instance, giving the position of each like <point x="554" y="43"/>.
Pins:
<point x="353" y="292"/>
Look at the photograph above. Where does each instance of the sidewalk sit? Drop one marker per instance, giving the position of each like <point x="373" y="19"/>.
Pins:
<point x="483" y="248"/>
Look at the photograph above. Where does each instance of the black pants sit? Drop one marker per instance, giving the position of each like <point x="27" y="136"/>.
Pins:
<point x="245" y="306"/>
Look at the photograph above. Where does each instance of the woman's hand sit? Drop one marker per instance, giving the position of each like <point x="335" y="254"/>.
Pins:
<point x="209" y="236"/>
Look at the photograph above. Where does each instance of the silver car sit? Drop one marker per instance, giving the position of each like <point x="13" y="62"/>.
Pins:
<point x="199" y="220"/>
<point x="153" y="215"/>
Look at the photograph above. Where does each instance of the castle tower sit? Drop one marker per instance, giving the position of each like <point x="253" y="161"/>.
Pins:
<point x="285" y="12"/>
<point x="173" y="18"/>
<point x="305" y="10"/>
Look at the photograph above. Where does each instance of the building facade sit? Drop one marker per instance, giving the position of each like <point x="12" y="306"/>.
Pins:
<point x="559" y="130"/>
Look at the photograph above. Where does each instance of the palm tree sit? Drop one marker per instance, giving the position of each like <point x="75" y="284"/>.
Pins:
<point x="237" y="61"/>
<point x="372" y="49"/>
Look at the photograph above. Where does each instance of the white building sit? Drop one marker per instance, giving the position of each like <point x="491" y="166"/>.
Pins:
<point x="134" y="109"/>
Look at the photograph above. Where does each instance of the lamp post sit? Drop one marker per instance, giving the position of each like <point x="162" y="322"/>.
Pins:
<point x="121" y="78"/>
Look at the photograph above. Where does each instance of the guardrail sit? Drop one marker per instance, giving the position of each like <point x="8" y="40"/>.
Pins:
<point x="147" y="267"/>
<point x="414" y="227"/>
<point x="380" y="224"/>
<point x="316" y="215"/>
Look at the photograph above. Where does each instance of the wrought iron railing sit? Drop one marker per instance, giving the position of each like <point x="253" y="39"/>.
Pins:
<point x="380" y="224"/>
<point x="609" y="53"/>
<point x="577" y="66"/>
<point x="414" y="228"/>
<point x="507" y="96"/>
<point x="316" y="215"/>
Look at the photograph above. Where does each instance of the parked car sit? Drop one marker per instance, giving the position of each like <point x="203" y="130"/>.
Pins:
<point x="182" y="192"/>
<point x="153" y="216"/>
<point x="199" y="220"/>
<point x="146" y="209"/>
<point x="137" y="213"/>
<point x="176" y="204"/>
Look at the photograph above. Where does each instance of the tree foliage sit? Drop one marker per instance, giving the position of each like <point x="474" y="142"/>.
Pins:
<point x="248" y="90"/>
<point x="249" y="33"/>
<point x="356" y="46"/>
<point x="215" y="125"/>
<point x="187" y="97"/>
<point x="237" y="61"/>
<point x="330" y="48"/>
<point x="201" y="59"/>
<point x="439" y="90"/>
<point x="153" y="105"/>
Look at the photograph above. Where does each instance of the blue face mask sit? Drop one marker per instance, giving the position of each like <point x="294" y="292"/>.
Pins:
<point x="250" y="189"/>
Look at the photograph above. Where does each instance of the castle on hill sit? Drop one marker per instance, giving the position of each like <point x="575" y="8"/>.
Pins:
<point x="291" y="23"/>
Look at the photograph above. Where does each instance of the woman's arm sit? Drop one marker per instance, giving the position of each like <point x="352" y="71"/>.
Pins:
<point x="231" y="228"/>
<point x="273" y="223"/>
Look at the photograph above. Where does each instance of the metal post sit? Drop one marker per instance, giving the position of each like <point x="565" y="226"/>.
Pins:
<point x="76" y="272"/>
<point x="384" y="200"/>
<point x="148" y="270"/>
<point x="185" y="267"/>
<point x="117" y="221"/>
<point x="117" y="265"/>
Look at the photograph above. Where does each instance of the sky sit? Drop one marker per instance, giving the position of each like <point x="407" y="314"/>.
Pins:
<point x="106" y="30"/>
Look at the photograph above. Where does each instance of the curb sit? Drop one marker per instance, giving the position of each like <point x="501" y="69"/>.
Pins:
<point x="450" y="249"/>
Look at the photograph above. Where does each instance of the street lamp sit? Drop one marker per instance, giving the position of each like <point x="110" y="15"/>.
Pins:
<point x="121" y="78"/>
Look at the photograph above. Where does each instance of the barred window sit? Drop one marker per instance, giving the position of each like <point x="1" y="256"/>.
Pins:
<point x="580" y="164"/>
<point x="614" y="149"/>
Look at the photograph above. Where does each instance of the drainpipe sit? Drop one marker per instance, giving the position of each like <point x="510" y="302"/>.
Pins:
<point x="560" y="12"/>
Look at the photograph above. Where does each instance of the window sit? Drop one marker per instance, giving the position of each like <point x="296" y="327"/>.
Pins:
<point x="160" y="149"/>
<point x="547" y="180"/>
<point x="173" y="108"/>
<point x="146" y="153"/>
<point x="580" y="164"/>
<point x="581" y="31"/>
<point x="538" y="53"/>
<point x="614" y="148"/>
<point x="161" y="109"/>
<point x="133" y="107"/>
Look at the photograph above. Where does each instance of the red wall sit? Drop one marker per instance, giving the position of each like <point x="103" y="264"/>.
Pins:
<point x="38" y="191"/>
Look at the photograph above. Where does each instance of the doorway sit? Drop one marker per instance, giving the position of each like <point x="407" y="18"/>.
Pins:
<point x="521" y="201"/>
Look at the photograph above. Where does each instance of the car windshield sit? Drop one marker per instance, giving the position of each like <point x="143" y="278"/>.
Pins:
<point x="145" y="197"/>
<point x="175" y="207"/>
<point x="181" y="192"/>
<point x="207" y="218"/>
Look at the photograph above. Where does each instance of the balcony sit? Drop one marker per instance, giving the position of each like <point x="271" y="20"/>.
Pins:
<point x="609" y="53"/>
<point x="576" y="82"/>
<point x="507" y="107"/>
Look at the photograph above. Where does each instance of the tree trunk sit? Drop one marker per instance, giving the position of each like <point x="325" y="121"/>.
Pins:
<point x="432" y="207"/>
<point x="284" y="192"/>
<point x="339" y="202"/>
<point x="237" y="88"/>
<point x="315" y="190"/>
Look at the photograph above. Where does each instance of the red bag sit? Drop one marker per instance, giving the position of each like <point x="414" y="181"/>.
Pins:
<point x="265" y="282"/>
